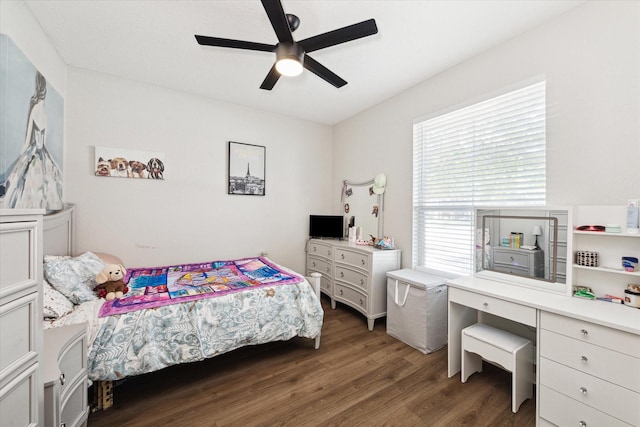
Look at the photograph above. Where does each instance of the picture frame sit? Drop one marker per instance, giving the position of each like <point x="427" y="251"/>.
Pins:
<point x="246" y="169"/>
<point x="126" y="163"/>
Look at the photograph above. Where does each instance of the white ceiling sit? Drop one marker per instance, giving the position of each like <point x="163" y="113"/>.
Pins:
<point x="152" y="42"/>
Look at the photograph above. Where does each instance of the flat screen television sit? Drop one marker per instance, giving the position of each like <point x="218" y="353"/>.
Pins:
<point x="326" y="226"/>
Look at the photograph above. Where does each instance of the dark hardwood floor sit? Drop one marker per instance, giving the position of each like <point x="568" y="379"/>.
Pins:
<point x="356" y="378"/>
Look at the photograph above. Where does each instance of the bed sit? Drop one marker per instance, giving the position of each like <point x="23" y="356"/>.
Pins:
<point x="124" y="343"/>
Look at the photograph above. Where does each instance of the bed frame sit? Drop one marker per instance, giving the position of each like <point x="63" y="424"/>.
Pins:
<point x="59" y="239"/>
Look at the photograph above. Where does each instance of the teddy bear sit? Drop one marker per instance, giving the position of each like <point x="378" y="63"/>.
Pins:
<point x="110" y="283"/>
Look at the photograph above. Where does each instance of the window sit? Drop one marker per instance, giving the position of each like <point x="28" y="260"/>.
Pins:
<point x="491" y="153"/>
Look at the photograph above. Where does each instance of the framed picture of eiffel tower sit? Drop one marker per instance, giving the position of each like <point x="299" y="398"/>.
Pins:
<point x="247" y="165"/>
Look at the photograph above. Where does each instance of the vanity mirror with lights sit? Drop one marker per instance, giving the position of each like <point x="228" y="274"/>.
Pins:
<point x="526" y="243"/>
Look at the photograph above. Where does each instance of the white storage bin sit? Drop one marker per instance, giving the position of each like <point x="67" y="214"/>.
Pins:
<point x="417" y="309"/>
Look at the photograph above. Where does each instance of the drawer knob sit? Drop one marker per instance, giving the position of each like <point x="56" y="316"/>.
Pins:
<point x="361" y="302"/>
<point x="362" y="281"/>
<point x="62" y="378"/>
<point x="582" y="424"/>
<point x="328" y="269"/>
<point x="584" y="359"/>
<point x="584" y="332"/>
<point x="315" y="249"/>
<point x="341" y="292"/>
<point x="342" y="274"/>
<point x="511" y="258"/>
<point x="342" y="256"/>
<point x="314" y="263"/>
<point x="485" y="304"/>
<point x="329" y="253"/>
<point x="583" y="390"/>
<point x="362" y="261"/>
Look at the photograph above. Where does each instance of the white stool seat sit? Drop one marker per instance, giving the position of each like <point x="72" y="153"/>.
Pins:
<point x="512" y="352"/>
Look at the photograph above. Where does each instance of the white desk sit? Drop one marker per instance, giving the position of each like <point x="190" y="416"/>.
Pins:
<point x="603" y="329"/>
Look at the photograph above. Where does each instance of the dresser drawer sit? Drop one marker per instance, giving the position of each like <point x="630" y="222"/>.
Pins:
<point x="320" y="249"/>
<point x="602" y="336"/>
<point x="509" y="269"/>
<point x="515" y="259"/>
<point x="75" y="406"/>
<point x="320" y="265"/>
<point x="355" y="278"/>
<point x="17" y="332"/>
<point x="18" y="398"/>
<point x="517" y="312"/>
<point x="355" y="259"/>
<point x="351" y="296"/>
<point x="602" y="395"/>
<point x="21" y="238"/>
<point x="325" y="285"/>
<point x="72" y="363"/>
<point x="564" y="411"/>
<point x="594" y="360"/>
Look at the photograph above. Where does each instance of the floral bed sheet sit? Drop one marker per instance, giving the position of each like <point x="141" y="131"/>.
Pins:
<point x="144" y="341"/>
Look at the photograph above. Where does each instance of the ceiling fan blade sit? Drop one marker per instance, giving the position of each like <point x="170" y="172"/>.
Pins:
<point x="271" y="79"/>
<point x="323" y="72"/>
<point x="341" y="35"/>
<point x="278" y="19"/>
<point x="236" y="44"/>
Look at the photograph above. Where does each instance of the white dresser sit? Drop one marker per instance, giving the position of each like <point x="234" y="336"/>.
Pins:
<point x="65" y="376"/>
<point x="354" y="275"/>
<point x="521" y="262"/>
<point x="591" y="369"/>
<point x="21" y="391"/>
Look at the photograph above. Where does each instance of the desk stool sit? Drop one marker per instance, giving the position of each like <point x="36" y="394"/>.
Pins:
<point x="511" y="352"/>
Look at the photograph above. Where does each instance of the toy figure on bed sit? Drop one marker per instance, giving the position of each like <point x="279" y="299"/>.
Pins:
<point x="110" y="283"/>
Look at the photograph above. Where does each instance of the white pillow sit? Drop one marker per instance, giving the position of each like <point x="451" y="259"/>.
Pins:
<point x="74" y="277"/>
<point x="54" y="304"/>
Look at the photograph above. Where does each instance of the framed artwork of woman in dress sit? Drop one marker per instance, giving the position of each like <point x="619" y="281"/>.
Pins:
<point x="31" y="148"/>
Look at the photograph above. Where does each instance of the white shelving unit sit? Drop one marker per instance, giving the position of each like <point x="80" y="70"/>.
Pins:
<point x="609" y="277"/>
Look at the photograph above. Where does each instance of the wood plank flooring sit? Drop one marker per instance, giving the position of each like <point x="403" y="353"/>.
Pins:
<point x="356" y="378"/>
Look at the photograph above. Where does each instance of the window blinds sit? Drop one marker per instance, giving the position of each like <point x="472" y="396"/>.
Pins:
<point x="488" y="154"/>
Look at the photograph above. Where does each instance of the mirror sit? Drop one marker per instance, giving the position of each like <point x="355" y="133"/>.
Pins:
<point x="522" y="242"/>
<point x="362" y="205"/>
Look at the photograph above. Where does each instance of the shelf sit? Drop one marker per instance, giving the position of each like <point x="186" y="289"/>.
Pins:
<point x="608" y="270"/>
<point x="604" y="233"/>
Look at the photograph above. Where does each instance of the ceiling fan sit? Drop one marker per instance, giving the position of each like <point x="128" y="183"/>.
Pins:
<point x="291" y="55"/>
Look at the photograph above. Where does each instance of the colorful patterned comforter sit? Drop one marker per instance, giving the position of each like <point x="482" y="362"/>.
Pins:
<point x="147" y="340"/>
<point x="152" y="287"/>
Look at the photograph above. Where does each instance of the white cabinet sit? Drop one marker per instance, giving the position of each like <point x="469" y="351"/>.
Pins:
<point x="352" y="274"/>
<point x="21" y="393"/>
<point x="65" y="376"/>
<point x="589" y="368"/>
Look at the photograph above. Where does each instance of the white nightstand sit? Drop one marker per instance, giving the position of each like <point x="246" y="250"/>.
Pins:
<point x="65" y="376"/>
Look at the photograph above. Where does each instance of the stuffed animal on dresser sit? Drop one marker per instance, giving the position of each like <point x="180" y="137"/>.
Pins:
<point x="110" y="282"/>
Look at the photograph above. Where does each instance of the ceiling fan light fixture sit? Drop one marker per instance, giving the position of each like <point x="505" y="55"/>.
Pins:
<point x="289" y="59"/>
<point x="289" y="67"/>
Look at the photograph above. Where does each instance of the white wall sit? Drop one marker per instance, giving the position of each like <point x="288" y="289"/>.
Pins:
<point x="591" y="59"/>
<point x="17" y="22"/>
<point x="189" y="216"/>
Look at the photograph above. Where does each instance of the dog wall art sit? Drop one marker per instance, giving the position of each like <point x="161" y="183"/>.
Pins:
<point x="124" y="163"/>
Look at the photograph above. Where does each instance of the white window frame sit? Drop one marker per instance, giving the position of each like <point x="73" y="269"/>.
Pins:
<point x="453" y="175"/>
